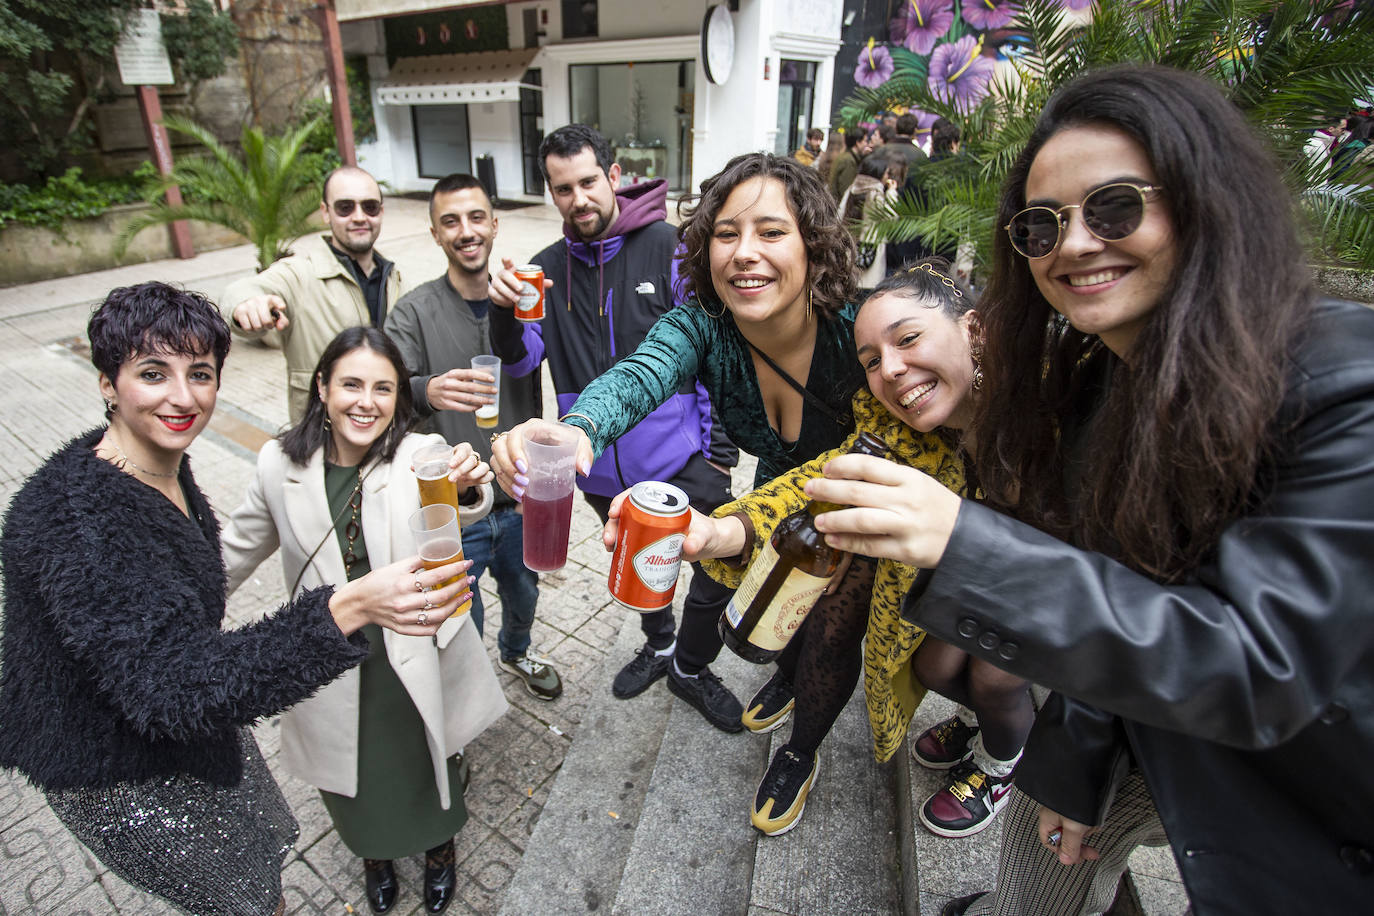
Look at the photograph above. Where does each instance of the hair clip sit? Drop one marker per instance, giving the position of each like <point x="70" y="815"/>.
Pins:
<point x="939" y="276"/>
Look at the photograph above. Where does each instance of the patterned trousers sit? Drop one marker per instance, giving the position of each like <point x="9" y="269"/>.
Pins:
<point x="1032" y="882"/>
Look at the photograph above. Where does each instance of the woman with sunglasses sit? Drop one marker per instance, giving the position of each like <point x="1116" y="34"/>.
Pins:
<point x="1177" y="450"/>
<point x="335" y="493"/>
<point x="332" y="281"/>
<point x="121" y="697"/>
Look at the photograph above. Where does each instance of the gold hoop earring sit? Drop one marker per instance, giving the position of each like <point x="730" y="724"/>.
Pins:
<point x="810" y="306"/>
<point x="701" y="303"/>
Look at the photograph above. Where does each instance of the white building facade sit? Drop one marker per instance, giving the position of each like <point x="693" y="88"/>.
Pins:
<point x="454" y="84"/>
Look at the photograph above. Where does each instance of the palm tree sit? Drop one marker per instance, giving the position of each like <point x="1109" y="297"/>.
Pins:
<point x="268" y="194"/>
<point x="1292" y="66"/>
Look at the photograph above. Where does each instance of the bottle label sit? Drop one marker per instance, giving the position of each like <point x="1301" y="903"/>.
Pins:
<point x="657" y="564"/>
<point x="789" y="607"/>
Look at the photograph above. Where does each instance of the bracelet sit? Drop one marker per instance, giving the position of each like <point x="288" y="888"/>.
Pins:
<point x="580" y="416"/>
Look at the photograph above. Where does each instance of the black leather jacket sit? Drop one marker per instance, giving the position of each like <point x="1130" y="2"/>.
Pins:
<point x="1246" y="695"/>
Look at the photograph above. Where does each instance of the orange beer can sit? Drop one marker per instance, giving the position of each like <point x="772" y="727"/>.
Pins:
<point x="653" y="523"/>
<point x="530" y="306"/>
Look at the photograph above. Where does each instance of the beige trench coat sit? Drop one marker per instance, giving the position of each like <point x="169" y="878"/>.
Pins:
<point x="449" y="677"/>
<point x="322" y="299"/>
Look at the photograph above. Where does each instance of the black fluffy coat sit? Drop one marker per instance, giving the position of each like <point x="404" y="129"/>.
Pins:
<point x="113" y="666"/>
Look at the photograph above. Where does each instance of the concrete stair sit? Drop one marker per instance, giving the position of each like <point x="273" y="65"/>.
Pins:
<point x="650" y="814"/>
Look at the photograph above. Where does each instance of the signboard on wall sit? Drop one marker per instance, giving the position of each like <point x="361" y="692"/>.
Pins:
<point x="141" y="54"/>
<point x="457" y="31"/>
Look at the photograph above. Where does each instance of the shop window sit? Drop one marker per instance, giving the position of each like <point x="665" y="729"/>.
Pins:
<point x="644" y="110"/>
<point x="796" y="92"/>
<point x="441" y="140"/>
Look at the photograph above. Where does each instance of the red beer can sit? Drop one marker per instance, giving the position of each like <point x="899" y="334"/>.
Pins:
<point x="653" y="522"/>
<point x="530" y="306"/>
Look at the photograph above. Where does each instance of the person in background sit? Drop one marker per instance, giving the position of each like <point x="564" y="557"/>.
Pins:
<point x="608" y="280"/>
<point x="944" y="139"/>
<point x="1176" y="452"/>
<point x="331" y="282"/>
<point x="439" y="327"/>
<point x="811" y="149"/>
<point x="846" y="165"/>
<point x="834" y="146"/>
<point x="121" y="698"/>
<point x="875" y="185"/>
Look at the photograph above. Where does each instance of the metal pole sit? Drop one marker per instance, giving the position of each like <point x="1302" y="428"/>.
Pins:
<point x="326" y="18"/>
<point x="150" y="108"/>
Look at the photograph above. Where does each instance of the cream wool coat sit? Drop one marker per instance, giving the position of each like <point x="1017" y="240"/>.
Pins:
<point x="448" y="677"/>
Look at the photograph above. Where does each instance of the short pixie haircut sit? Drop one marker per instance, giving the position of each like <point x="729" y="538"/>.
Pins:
<point x="829" y="247"/>
<point x="155" y="318"/>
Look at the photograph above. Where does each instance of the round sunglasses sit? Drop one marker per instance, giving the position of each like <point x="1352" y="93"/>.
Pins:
<point x="1110" y="213"/>
<point x="344" y="208"/>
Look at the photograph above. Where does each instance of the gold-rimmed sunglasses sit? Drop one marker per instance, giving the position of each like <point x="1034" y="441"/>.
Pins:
<point x="1110" y="213"/>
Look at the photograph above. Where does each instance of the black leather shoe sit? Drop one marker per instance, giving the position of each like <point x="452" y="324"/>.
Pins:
<point x="711" y="698"/>
<point x="440" y="878"/>
<point x="959" y="905"/>
<point x="639" y="675"/>
<point x="381" y="884"/>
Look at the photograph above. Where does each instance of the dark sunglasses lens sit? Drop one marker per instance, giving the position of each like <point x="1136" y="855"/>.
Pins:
<point x="1035" y="232"/>
<point x="1113" y="212"/>
<point x="344" y="208"/>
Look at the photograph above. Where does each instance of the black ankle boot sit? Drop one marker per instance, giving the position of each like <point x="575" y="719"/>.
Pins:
<point x="381" y="884"/>
<point x="440" y="877"/>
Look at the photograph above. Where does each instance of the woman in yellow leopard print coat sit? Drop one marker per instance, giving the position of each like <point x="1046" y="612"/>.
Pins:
<point x="918" y="340"/>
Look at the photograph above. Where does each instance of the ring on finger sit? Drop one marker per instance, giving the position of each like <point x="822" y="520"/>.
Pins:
<point x="495" y="436"/>
<point x="422" y="619"/>
<point x="429" y="605"/>
<point x="418" y="586"/>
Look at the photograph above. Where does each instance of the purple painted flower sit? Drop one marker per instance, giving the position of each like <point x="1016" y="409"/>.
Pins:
<point x="875" y="66"/>
<point x="920" y="23"/>
<point x="987" y="15"/>
<point x="959" y="73"/>
<point x="924" y="120"/>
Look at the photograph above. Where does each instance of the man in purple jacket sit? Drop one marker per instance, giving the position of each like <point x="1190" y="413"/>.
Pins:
<point x="613" y="275"/>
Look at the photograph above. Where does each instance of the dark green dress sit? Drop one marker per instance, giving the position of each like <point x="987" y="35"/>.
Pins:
<point x="396" y="812"/>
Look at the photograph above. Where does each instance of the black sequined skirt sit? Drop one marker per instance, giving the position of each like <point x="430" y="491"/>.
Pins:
<point x="209" y="850"/>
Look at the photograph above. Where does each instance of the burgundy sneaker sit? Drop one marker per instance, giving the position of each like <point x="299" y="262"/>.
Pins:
<point x="968" y="804"/>
<point x="945" y="744"/>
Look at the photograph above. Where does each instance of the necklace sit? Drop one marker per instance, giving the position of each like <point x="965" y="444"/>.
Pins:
<point x="130" y="462"/>
<point x="354" y="526"/>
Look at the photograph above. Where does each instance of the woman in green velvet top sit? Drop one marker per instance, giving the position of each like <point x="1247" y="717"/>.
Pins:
<point x="767" y="327"/>
<point x="382" y="743"/>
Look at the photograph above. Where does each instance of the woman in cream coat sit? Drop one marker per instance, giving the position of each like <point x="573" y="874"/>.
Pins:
<point x="335" y="493"/>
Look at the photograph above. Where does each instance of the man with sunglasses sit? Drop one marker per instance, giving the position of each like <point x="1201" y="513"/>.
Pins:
<point x="331" y="281"/>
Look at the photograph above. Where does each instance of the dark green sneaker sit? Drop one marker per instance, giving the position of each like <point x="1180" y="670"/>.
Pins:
<point x="540" y="679"/>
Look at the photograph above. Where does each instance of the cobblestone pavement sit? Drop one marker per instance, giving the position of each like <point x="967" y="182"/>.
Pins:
<point x="48" y="395"/>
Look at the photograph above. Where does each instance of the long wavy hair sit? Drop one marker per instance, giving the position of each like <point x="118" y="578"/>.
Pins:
<point x="302" y="440"/>
<point x="830" y="250"/>
<point x="1174" y="449"/>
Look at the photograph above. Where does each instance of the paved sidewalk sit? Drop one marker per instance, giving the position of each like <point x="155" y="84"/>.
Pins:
<point x="48" y="395"/>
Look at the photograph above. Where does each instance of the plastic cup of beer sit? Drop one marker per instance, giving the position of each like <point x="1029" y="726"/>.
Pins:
<point x="431" y="473"/>
<point x="439" y="542"/>
<point x="488" y="414"/>
<point x="551" y="456"/>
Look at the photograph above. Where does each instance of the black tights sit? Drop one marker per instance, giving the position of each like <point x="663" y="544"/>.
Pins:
<point x="1000" y="700"/>
<point x="824" y="660"/>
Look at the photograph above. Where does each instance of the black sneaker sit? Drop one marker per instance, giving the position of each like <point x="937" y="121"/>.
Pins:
<point x="710" y="697"/>
<point x="781" y="798"/>
<point x="945" y="744"/>
<point x="639" y="675"/>
<point x="771" y="706"/>
<point x="968" y="804"/>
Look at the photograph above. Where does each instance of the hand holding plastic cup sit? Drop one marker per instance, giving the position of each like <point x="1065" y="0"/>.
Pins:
<point x="438" y="540"/>
<point x="489" y="414"/>
<point x="551" y="454"/>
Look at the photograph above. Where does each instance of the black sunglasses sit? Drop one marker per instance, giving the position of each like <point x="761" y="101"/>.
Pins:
<point x="1110" y="213"/>
<point x="344" y="208"/>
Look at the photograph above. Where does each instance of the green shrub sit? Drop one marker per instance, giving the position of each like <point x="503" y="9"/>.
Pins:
<point x="69" y="196"/>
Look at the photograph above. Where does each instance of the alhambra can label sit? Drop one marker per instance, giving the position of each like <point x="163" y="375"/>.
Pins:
<point x="648" y="552"/>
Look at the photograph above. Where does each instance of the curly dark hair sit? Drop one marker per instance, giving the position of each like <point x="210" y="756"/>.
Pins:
<point x="830" y="250"/>
<point x="1179" y="441"/>
<point x="155" y="318"/>
<point x="301" y="441"/>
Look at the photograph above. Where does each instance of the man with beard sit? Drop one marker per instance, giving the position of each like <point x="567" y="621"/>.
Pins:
<point x="609" y="279"/>
<point x="439" y="327"/>
<point x="330" y="282"/>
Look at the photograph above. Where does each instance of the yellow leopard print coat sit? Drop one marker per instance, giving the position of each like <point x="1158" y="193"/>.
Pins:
<point x="892" y="692"/>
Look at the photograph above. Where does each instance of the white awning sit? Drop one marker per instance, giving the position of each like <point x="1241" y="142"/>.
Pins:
<point x="456" y="79"/>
